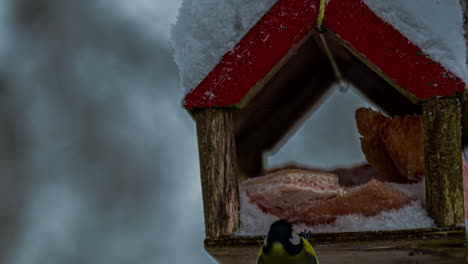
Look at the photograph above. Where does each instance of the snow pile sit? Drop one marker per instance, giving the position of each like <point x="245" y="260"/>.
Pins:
<point x="413" y="216"/>
<point x="253" y="220"/>
<point x="207" y="29"/>
<point x="415" y="191"/>
<point x="435" y="26"/>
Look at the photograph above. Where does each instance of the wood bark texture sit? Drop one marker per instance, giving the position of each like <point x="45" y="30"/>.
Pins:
<point x="443" y="164"/>
<point x="218" y="170"/>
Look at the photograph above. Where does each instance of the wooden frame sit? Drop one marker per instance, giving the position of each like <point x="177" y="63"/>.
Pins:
<point x="283" y="28"/>
<point x="238" y="118"/>
<point x="407" y="246"/>
<point x="220" y="175"/>
<point x="218" y="170"/>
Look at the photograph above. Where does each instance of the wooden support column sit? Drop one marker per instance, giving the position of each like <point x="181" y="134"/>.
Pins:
<point x="218" y="170"/>
<point x="442" y="156"/>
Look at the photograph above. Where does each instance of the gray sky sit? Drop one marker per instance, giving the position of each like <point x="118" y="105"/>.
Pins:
<point x="99" y="160"/>
<point x="328" y="136"/>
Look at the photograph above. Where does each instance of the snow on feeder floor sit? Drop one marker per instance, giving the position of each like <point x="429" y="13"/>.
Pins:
<point x="315" y="202"/>
<point x="371" y="222"/>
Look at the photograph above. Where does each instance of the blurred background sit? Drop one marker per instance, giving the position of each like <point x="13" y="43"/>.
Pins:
<point x="98" y="158"/>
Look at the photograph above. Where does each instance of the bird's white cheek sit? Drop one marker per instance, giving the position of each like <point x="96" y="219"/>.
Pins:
<point x="295" y="239"/>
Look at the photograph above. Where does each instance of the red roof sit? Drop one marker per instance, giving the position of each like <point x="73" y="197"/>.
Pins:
<point x="288" y="22"/>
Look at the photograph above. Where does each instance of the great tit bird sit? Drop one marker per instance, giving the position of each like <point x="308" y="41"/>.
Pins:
<point x="284" y="246"/>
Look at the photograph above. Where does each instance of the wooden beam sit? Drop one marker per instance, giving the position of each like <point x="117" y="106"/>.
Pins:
<point x="367" y="82"/>
<point x="288" y="96"/>
<point x="378" y="90"/>
<point x="413" y="98"/>
<point x="265" y="45"/>
<point x="436" y="245"/>
<point x="443" y="161"/>
<point x="388" y="52"/>
<point x="273" y="116"/>
<point x="218" y="171"/>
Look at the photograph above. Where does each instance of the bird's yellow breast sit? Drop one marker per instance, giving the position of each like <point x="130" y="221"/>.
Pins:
<point x="278" y="255"/>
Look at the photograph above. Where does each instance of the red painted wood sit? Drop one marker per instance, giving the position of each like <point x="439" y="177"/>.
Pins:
<point x="255" y="55"/>
<point x="286" y="24"/>
<point x="389" y="50"/>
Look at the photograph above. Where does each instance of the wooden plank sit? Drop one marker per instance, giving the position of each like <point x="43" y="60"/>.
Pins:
<point x="381" y="253"/>
<point x="218" y="171"/>
<point x="373" y="86"/>
<point x="346" y="238"/>
<point x="244" y="66"/>
<point x="388" y="52"/>
<point x="270" y="118"/>
<point x="443" y="161"/>
<point x="413" y="98"/>
<point x="272" y="114"/>
<point x="401" y="246"/>
<point x="379" y="91"/>
<point x="293" y="52"/>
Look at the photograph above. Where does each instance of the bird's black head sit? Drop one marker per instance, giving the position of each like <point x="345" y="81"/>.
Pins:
<point x="282" y="232"/>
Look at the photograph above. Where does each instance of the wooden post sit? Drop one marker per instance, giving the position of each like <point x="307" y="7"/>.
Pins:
<point x="442" y="156"/>
<point x="218" y="170"/>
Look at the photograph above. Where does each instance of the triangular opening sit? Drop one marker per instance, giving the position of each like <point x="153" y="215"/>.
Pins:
<point x="328" y="138"/>
<point x="296" y="90"/>
<point x="316" y="127"/>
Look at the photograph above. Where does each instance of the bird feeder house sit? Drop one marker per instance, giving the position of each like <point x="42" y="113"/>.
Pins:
<point x="278" y="71"/>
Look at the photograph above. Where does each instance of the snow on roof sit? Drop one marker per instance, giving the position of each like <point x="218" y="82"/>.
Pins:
<point x="207" y="29"/>
<point x="435" y="26"/>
